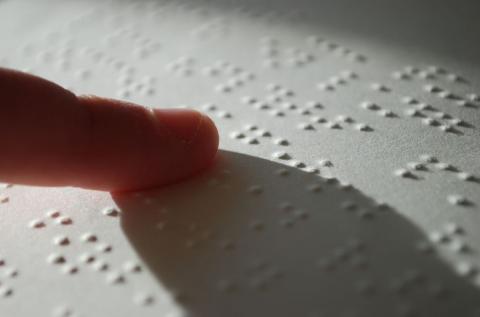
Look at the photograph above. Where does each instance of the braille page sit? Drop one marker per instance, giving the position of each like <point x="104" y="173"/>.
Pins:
<point x="347" y="184"/>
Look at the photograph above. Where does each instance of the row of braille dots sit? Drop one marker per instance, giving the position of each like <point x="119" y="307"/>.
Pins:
<point x="336" y="81"/>
<point x="350" y="253"/>
<point x="54" y="215"/>
<point x="430" y="73"/>
<point x="252" y="134"/>
<point x="215" y="28"/>
<point x="338" y="50"/>
<point x="338" y="123"/>
<point x="364" y="213"/>
<point x="372" y="106"/>
<point x="273" y="57"/>
<point x="143" y="47"/>
<point x="214" y="109"/>
<point x="278" y="100"/>
<point x="182" y="66"/>
<point x="238" y="77"/>
<point x="62" y="58"/>
<point x="444" y="121"/>
<point x="467" y="101"/>
<point x="261" y="276"/>
<point x="287" y="157"/>
<point x="7" y="273"/>
<point x="196" y="234"/>
<point x="128" y="86"/>
<point x="426" y="161"/>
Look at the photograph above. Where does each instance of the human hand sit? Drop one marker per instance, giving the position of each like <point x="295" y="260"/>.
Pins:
<point x="50" y="137"/>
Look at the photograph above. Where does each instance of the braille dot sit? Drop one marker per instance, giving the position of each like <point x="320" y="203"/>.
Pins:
<point x="453" y="228"/>
<point x="255" y="189"/>
<point x="86" y="258"/>
<point x="36" y="224"/>
<point x="100" y="266"/>
<point x="427" y="158"/>
<point x="430" y="122"/>
<point x="248" y="100"/>
<point x="281" y="155"/>
<point x="281" y="141"/>
<point x="61" y="240"/>
<point x="424" y="247"/>
<point x="404" y="173"/>
<point x="143" y="299"/>
<point x="252" y="141"/>
<point x="344" y="118"/>
<point x="115" y="278"/>
<point x="432" y="88"/>
<point x="53" y="213"/>
<point x="64" y="221"/>
<point x="458" y="200"/>
<point x="363" y="127"/>
<point x="459" y="246"/>
<point x="464" y="176"/>
<point x="88" y="237"/>
<point x="325" y="87"/>
<point x="414" y="113"/>
<point x="105" y="248"/>
<point x="132" y="267"/>
<point x="333" y="125"/>
<point x="282" y="172"/>
<point x="315" y="188"/>
<point x="416" y="166"/>
<point x="56" y="258"/>
<point x="62" y="311"/>
<point x="466" y="269"/>
<point x="387" y="113"/>
<point x="319" y="119"/>
<point x="474" y="97"/>
<point x="4" y="199"/>
<point x="444" y="166"/>
<point x="69" y="269"/>
<point x="110" y="211"/>
<point x="379" y="87"/>
<point x="438" y="237"/>
<point x="305" y="126"/>
<point x="6" y="291"/>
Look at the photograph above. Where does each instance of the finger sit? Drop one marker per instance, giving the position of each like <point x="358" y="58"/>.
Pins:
<point x="51" y="137"/>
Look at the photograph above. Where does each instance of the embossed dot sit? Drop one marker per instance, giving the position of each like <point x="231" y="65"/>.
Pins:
<point x="458" y="200"/>
<point x="132" y="267"/>
<point x="61" y="240"/>
<point x="70" y="269"/>
<point x="105" y="248"/>
<point x="403" y="173"/>
<point x="87" y="258"/>
<point x="144" y="299"/>
<point x="56" y="258"/>
<point x="64" y="221"/>
<point x="36" y="224"/>
<point x="110" y="211"/>
<point x="88" y="237"/>
<point x="115" y="278"/>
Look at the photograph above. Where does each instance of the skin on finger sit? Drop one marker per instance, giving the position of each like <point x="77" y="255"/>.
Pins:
<point x="51" y="137"/>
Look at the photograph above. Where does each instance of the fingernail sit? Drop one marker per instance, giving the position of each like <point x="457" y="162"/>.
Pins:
<point x="184" y="124"/>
